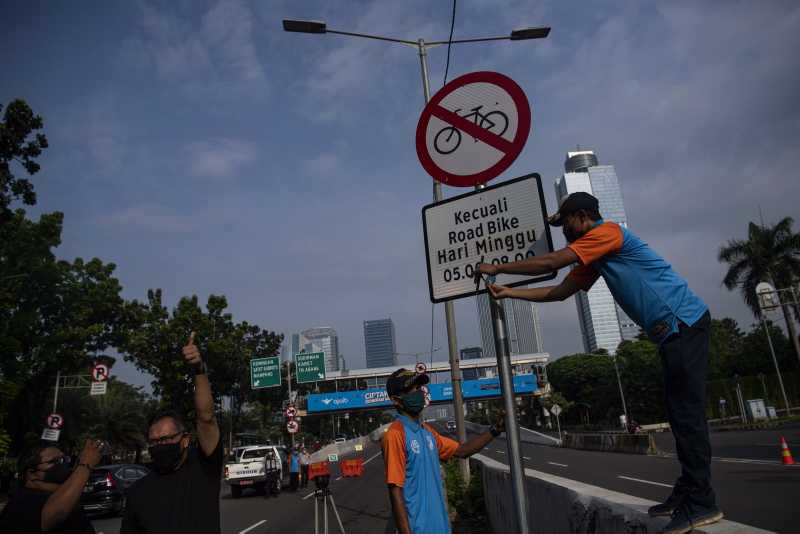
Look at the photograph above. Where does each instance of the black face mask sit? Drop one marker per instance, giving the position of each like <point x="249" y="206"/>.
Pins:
<point x="569" y="235"/>
<point x="57" y="474"/>
<point x="166" y="457"/>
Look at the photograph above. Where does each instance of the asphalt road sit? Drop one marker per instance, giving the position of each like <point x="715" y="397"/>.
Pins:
<point x="362" y="502"/>
<point x="752" y="488"/>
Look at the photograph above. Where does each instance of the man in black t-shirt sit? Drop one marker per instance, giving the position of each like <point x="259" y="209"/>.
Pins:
<point x="49" y="498"/>
<point x="182" y="492"/>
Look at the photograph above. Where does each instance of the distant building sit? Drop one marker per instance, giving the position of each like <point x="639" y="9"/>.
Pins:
<point x="471" y="353"/>
<point x="379" y="343"/>
<point x="603" y="323"/>
<point x="522" y="320"/>
<point x="322" y="339"/>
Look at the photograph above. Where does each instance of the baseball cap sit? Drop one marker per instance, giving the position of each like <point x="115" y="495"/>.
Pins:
<point x="574" y="202"/>
<point x="402" y="379"/>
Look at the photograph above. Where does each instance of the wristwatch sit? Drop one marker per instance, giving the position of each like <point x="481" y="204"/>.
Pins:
<point x="494" y="432"/>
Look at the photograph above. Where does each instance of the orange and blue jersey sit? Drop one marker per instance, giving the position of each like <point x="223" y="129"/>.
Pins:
<point x="641" y="281"/>
<point x="411" y="455"/>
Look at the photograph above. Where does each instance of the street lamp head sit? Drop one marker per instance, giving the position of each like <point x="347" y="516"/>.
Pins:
<point x="304" y="26"/>
<point x="529" y="33"/>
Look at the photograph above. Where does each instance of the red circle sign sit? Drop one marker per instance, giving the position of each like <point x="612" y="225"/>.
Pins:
<point x="473" y="129"/>
<point x="292" y="426"/>
<point x="420" y="368"/>
<point x="100" y="372"/>
<point x="291" y="411"/>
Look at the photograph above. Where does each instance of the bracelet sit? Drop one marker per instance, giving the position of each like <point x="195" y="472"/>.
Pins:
<point x="494" y="432"/>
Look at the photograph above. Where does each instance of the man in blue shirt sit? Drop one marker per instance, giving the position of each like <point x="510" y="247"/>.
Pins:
<point x="660" y="301"/>
<point x="294" y="469"/>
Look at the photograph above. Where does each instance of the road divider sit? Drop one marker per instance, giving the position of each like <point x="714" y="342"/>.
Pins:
<point x="558" y="504"/>
<point x="610" y="442"/>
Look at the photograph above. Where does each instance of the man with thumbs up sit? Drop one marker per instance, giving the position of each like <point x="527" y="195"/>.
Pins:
<point x="182" y="492"/>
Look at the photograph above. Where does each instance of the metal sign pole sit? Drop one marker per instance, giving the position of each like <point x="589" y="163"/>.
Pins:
<point x="55" y="398"/>
<point x="512" y="429"/>
<point x="449" y="314"/>
<point x="289" y="383"/>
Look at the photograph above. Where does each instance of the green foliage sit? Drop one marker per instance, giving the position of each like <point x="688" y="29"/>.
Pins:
<point x="19" y="143"/>
<point x="467" y="500"/>
<point x="642" y="380"/>
<point x="588" y="379"/>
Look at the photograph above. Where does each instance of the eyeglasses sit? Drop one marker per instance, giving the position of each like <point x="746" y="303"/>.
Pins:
<point x="164" y="439"/>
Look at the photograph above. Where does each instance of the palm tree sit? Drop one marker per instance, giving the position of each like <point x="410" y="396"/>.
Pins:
<point x="769" y="254"/>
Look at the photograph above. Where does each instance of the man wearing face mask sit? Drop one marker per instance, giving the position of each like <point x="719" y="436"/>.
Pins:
<point x="674" y="318"/>
<point x="412" y="451"/>
<point x="51" y="490"/>
<point x="182" y="492"/>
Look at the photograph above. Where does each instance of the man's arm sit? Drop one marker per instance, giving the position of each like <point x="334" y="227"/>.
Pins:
<point x="474" y="445"/>
<point x="533" y="266"/>
<point x="399" y="509"/>
<point x="61" y="503"/>
<point x="562" y="291"/>
<point x="207" y="429"/>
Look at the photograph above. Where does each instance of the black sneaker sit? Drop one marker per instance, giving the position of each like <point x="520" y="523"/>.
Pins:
<point x="665" y="508"/>
<point x="685" y="520"/>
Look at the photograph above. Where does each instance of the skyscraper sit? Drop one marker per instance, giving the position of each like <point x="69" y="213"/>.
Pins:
<point x="603" y="323"/>
<point x="471" y="353"/>
<point x="522" y="320"/>
<point x="379" y="343"/>
<point x="322" y="339"/>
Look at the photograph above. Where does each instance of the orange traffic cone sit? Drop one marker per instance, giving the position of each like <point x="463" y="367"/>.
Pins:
<point x="786" y="453"/>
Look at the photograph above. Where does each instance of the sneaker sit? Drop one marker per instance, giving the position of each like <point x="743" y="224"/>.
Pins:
<point x="685" y="520"/>
<point x="665" y="508"/>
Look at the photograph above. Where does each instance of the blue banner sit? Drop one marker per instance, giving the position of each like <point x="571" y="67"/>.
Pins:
<point x="366" y="399"/>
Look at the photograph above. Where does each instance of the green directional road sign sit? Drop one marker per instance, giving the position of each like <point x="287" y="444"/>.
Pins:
<point x="265" y="372"/>
<point x="309" y="366"/>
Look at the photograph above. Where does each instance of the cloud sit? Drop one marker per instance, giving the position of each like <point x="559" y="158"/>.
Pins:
<point x="148" y="217"/>
<point x="220" y="158"/>
<point x="213" y="56"/>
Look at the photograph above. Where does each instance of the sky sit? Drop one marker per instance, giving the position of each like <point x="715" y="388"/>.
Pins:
<point x="204" y="150"/>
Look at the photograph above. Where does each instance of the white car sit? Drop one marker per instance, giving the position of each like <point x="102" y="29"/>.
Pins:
<point x="245" y="468"/>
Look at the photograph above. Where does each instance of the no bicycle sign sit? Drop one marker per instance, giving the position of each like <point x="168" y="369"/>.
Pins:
<point x="473" y="129"/>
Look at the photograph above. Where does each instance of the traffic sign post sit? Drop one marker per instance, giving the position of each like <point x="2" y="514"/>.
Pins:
<point x="98" y="388"/>
<point x="50" y="434"/>
<point x="498" y="224"/>
<point x="420" y="368"/>
<point x="291" y="412"/>
<point x="309" y="367"/>
<point x="556" y="410"/>
<point x="473" y="129"/>
<point x="265" y="372"/>
<point x="292" y="426"/>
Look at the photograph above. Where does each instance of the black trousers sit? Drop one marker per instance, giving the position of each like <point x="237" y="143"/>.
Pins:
<point x="684" y="356"/>
<point x="293" y="479"/>
<point x="304" y="475"/>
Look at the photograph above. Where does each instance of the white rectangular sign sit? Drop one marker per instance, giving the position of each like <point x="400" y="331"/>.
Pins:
<point x="499" y="224"/>
<point x="98" y="388"/>
<point x="51" y="434"/>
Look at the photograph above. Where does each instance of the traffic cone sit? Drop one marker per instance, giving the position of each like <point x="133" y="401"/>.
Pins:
<point x="786" y="453"/>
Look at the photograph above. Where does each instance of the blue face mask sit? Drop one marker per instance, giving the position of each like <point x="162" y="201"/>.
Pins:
<point x="413" y="402"/>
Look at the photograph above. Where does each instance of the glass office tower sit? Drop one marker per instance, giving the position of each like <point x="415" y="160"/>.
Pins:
<point x="379" y="343"/>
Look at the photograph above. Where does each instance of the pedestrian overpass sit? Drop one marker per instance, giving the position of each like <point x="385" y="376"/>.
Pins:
<point x="365" y="389"/>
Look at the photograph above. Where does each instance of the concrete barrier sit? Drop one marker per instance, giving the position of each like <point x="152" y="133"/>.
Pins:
<point x="557" y="504"/>
<point x="340" y="449"/>
<point x="610" y="442"/>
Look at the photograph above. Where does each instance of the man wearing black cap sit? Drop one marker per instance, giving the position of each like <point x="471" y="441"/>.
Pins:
<point x="412" y="451"/>
<point x="660" y="301"/>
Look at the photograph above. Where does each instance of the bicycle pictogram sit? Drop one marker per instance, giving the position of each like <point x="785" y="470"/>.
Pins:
<point x="448" y="139"/>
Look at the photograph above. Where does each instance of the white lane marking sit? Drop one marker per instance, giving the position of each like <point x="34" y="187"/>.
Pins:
<point x="525" y="458"/>
<point x="500" y="452"/>
<point x="646" y="481"/>
<point x="559" y="465"/>
<point x="372" y="458"/>
<point x="254" y="525"/>
<point x="735" y="460"/>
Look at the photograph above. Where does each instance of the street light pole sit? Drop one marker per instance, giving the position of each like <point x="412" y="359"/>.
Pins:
<point x="621" y="394"/>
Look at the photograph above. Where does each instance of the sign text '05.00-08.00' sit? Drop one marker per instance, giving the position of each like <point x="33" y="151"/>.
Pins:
<point x="499" y="224"/>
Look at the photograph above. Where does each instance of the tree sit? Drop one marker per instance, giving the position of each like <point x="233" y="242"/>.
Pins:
<point x="642" y="380"/>
<point x="588" y="379"/>
<point x="119" y="417"/>
<point x="18" y="125"/>
<point x="769" y="254"/>
<point x="725" y="347"/>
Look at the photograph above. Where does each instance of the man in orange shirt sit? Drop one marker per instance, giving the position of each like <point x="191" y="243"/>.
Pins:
<point x="672" y="315"/>
<point x="412" y="451"/>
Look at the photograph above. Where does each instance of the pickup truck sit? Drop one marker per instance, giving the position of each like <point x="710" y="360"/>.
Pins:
<point x="245" y="468"/>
